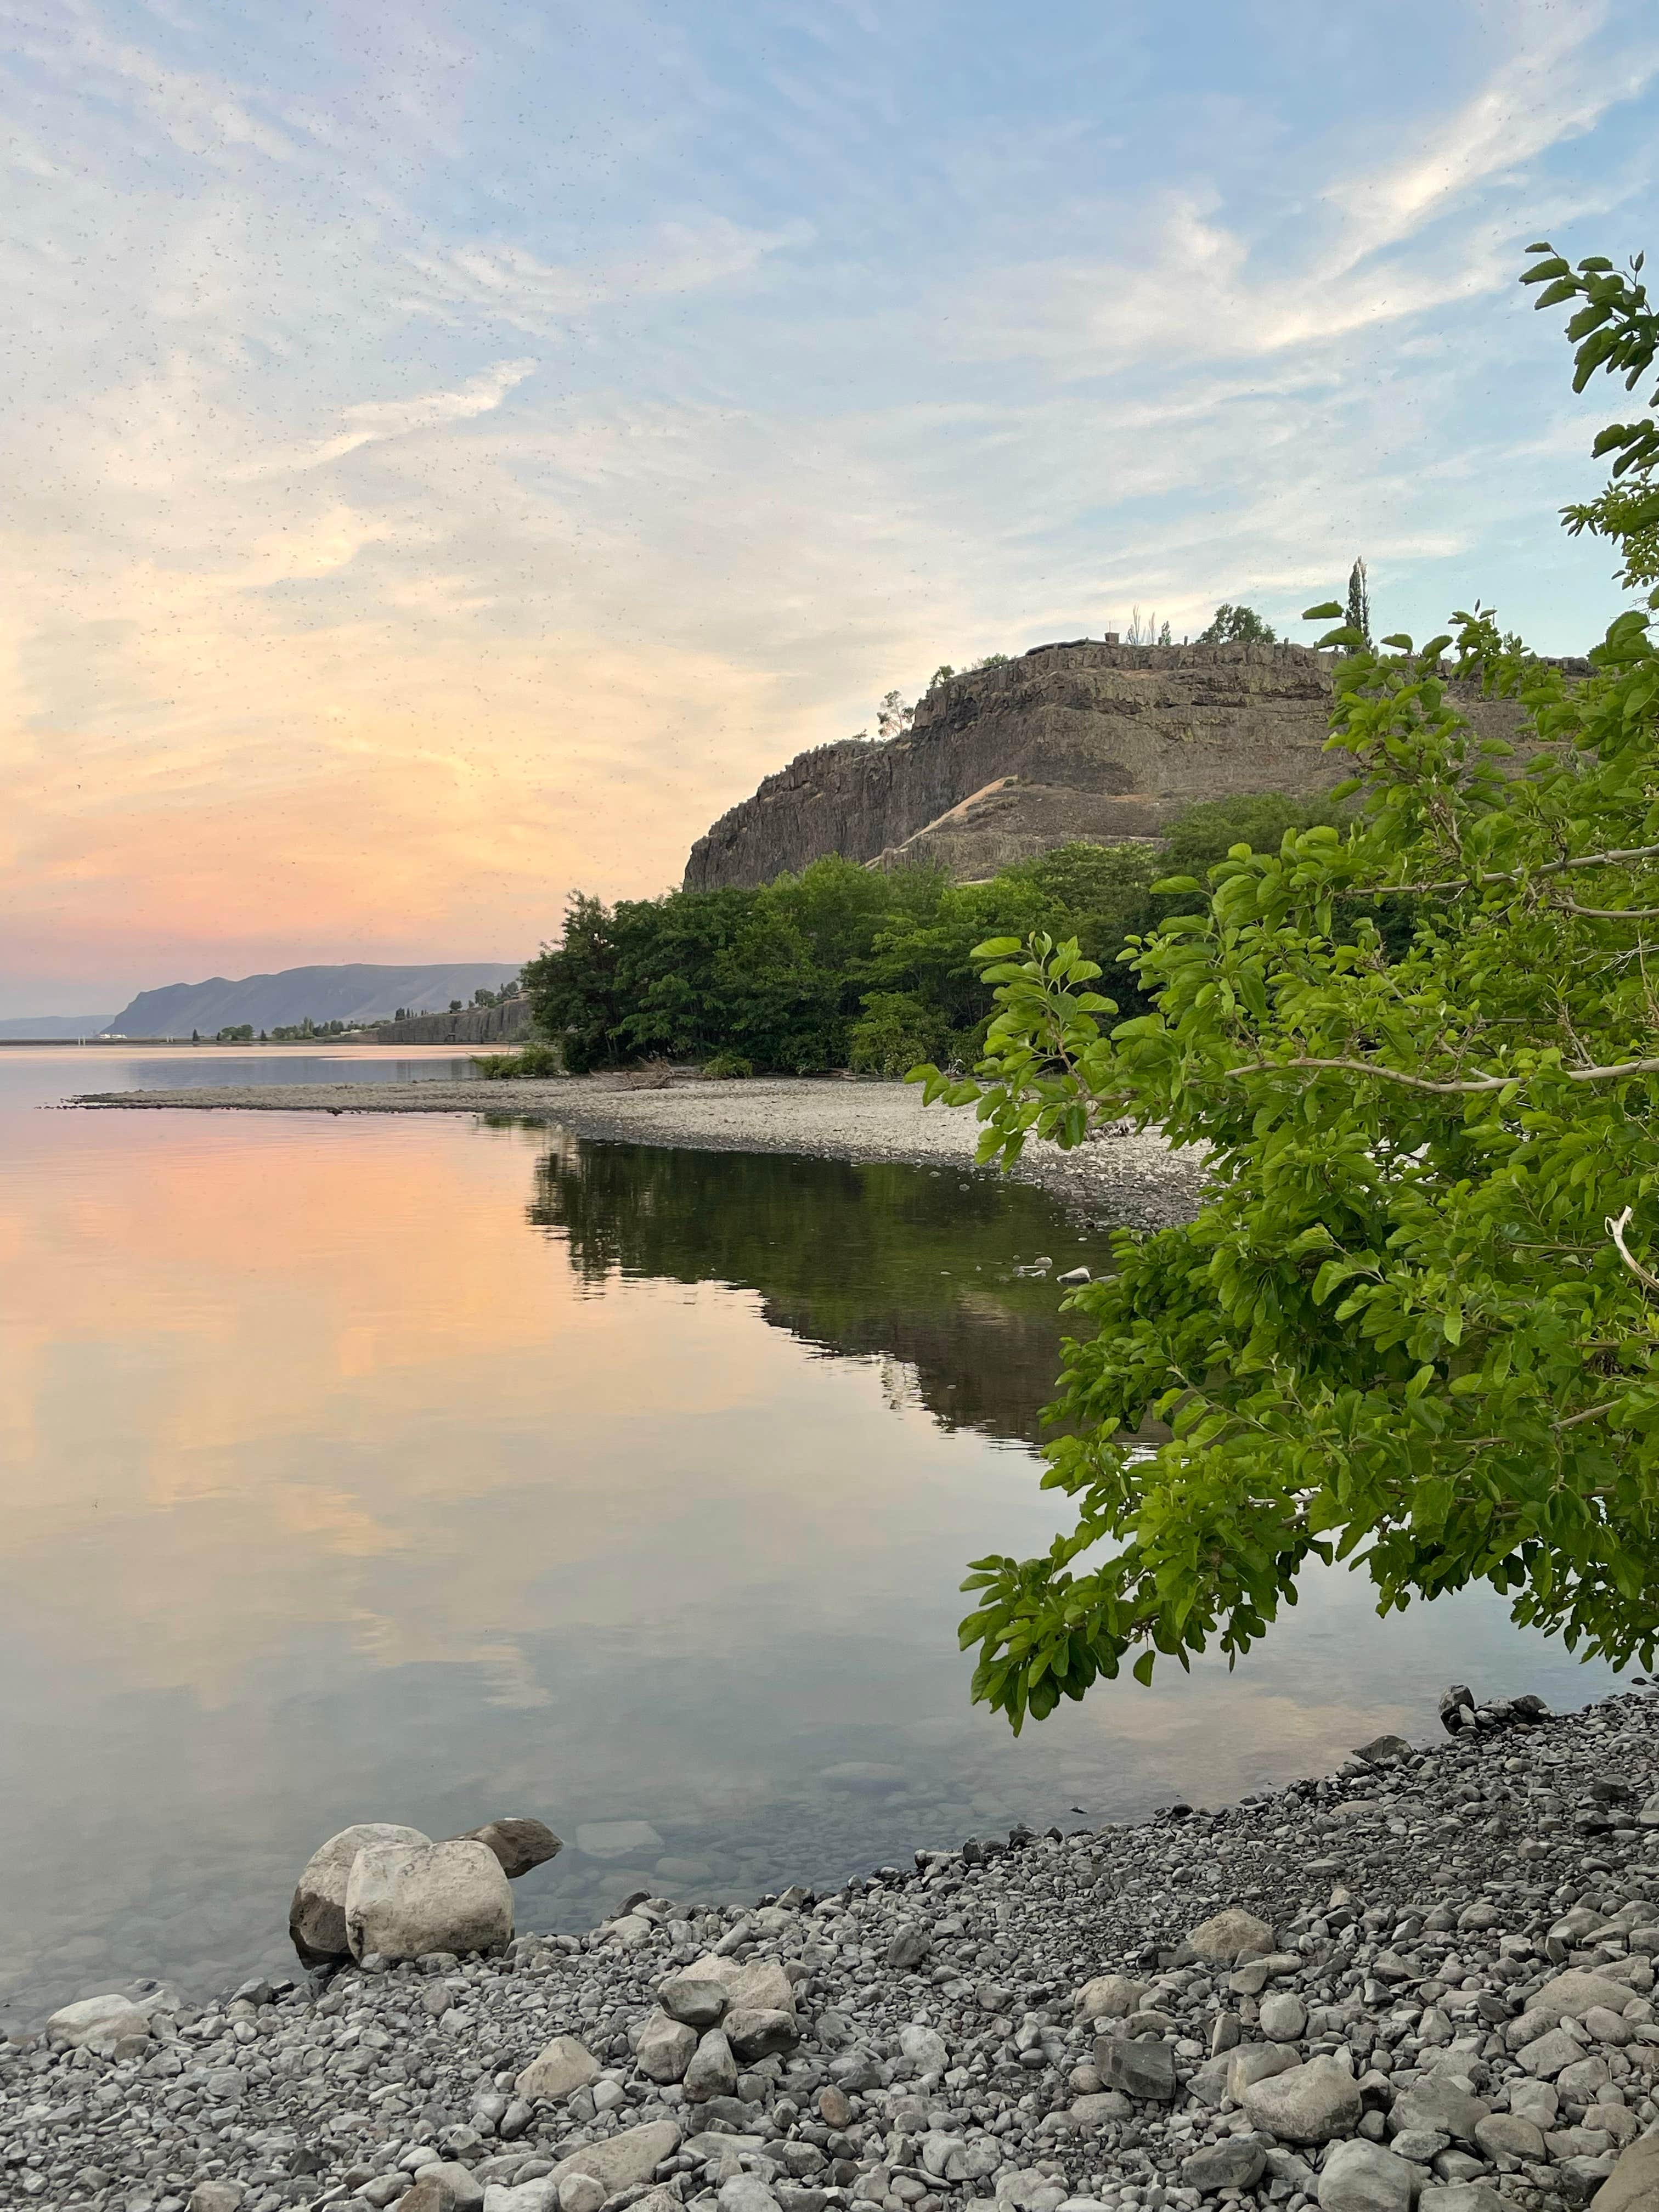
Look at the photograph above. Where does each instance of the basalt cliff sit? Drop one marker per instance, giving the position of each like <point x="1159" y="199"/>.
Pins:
<point x="1084" y="740"/>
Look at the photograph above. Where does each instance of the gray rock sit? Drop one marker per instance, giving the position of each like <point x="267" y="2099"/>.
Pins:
<point x="1222" y="1939"/>
<point x="757" y="2033"/>
<point x="1255" y="2061"/>
<point x="1462" y="2196"/>
<point x="316" y="1917"/>
<point x="925" y="2047"/>
<point x="97" y="2024"/>
<point x="1385" y="1749"/>
<point x="667" y="2045"/>
<point x="1577" y="1992"/>
<point x="558" y="2070"/>
<point x="1440" y="2104"/>
<point x="713" y="2071"/>
<point x="909" y="1947"/>
<point x="1545" y="2057"/>
<point x="1633" y="2184"/>
<point x="944" y="2155"/>
<point x="696" y="1999"/>
<point x="1139" y="2067"/>
<point x="1238" y="2163"/>
<point x="1310" y="2104"/>
<point x="1506" y="2135"/>
<point x="1100" y="2107"/>
<point x="579" y="2192"/>
<point x="1536" y="2101"/>
<point x="444" y="2186"/>
<point x="746" y="2193"/>
<point x="1108" y="1997"/>
<point x="216" y="2197"/>
<point x="518" y="1842"/>
<point x="1283" y="2016"/>
<point x="406" y="1901"/>
<point x="623" y="2160"/>
<point x="1362" y="2177"/>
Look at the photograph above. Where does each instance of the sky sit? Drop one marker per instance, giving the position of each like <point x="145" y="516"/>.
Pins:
<point x="454" y="451"/>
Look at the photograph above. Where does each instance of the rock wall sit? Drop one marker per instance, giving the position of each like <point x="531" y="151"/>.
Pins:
<point x="507" y="1024"/>
<point x="1105" y="742"/>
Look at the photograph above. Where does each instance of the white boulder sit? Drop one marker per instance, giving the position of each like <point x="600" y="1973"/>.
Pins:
<point x="407" y="1900"/>
<point x="316" y="1919"/>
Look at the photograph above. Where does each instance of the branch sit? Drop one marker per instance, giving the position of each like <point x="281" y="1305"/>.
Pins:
<point x="1445" y="1090"/>
<point x="1608" y="912"/>
<point x="1511" y="875"/>
<point x="1616" y="1230"/>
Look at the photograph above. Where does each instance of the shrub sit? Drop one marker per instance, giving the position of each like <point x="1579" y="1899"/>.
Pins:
<point x="729" y="1068"/>
<point x="896" y="1030"/>
<point x="534" y="1063"/>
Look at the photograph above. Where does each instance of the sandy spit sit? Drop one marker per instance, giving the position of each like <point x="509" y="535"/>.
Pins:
<point x="1134" y="1178"/>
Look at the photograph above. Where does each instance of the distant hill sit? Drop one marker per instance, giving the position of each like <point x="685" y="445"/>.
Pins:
<point x="51" y="1028"/>
<point x="355" y="994"/>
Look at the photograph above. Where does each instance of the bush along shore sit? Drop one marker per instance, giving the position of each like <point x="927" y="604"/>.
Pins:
<point x="1425" y="1980"/>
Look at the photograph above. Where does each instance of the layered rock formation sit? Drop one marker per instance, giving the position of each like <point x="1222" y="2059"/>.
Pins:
<point x="1105" y="742"/>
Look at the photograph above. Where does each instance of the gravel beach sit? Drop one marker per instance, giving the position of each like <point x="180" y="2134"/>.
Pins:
<point x="1135" y="1179"/>
<point x="1425" y="1980"/>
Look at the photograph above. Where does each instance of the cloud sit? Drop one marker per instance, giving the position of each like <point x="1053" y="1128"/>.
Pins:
<point x="469" y="489"/>
<point x="506" y="283"/>
<point x="370" y="420"/>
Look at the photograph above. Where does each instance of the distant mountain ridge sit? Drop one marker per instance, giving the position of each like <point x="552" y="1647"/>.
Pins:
<point x="53" y="1029"/>
<point x="357" y="992"/>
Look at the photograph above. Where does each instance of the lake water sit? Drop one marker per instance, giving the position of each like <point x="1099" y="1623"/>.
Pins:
<point x="431" y="1469"/>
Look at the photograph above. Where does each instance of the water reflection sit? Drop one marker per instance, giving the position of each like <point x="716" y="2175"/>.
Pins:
<point x="336" y="1489"/>
<point x="854" y="1260"/>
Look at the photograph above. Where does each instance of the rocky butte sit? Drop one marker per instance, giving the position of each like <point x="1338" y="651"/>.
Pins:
<point x="1091" y="740"/>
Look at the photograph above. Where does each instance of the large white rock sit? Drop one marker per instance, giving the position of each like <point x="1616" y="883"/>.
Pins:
<point x="1310" y="2104"/>
<point x="558" y="2070"/>
<point x="761" y="1986"/>
<point x="623" y="2161"/>
<point x="666" y="2047"/>
<point x="1224" y="1935"/>
<point x="407" y="1900"/>
<point x="316" y="1919"/>
<point x="1362" y="2177"/>
<point x="97" y="2021"/>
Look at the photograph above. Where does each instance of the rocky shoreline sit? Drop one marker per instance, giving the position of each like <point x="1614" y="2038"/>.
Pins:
<point x="1425" y="1980"/>
<point x="1125" y="1177"/>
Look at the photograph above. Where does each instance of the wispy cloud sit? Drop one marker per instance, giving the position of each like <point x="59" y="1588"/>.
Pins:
<point x="371" y="420"/>
<point x="452" y="455"/>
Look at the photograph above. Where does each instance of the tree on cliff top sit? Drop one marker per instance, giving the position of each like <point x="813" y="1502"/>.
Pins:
<point x="1415" y="1325"/>
<point x="1238" y="626"/>
<point x="1359" y="618"/>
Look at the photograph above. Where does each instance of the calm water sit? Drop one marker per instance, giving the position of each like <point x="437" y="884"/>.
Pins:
<point x="425" y="1470"/>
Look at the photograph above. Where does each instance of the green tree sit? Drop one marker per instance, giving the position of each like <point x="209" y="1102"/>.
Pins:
<point x="1616" y="330"/>
<point x="1359" y="605"/>
<point x="1238" y="626"/>
<point x="1415" y="1325"/>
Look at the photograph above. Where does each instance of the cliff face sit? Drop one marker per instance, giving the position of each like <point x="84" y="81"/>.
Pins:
<point x="506" y="1023"/>
<point x="1106" y="742"/>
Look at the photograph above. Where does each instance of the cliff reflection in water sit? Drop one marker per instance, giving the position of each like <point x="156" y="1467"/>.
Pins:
<point x="857" y="1260"/>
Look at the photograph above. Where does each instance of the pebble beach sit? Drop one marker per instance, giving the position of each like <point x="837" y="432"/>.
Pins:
<point x="1421" y="1983"/>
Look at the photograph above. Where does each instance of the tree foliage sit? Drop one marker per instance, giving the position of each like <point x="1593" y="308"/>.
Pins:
<point x="841" y="965"/>
<point x="1234" y="625"/>
<point x="1414" y="1326"/>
